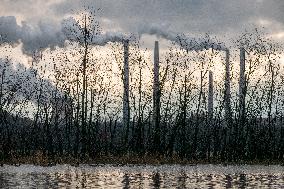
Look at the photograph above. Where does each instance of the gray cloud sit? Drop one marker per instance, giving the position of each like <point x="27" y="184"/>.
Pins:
<point x="74" y="32"/>
<point x="170" y="17"/>
<point x="40" y="36"/>
<point x="186" y="16"/>
<point x="49" y="34"/>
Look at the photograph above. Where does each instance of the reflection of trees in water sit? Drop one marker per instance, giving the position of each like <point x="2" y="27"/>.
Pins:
<point x="83" y="180"/>
<point x="242" y="181"/>
<point x="133" y="180"/>
<point x="181" y="180"/>
<point x="106" y="177"/>
<point x="3" y="182"/>
<point x="139" y="180"/>
<point x="156" y="178"/>
<point x="126" y="181"/>
<point x="228" y="181"/>
<point x="210" y="181"/>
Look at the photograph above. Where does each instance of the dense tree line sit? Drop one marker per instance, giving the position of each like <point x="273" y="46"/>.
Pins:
<point x="198" y="105"/>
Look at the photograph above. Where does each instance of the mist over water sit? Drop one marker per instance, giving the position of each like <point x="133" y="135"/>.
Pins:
<point x="143" y="176"/>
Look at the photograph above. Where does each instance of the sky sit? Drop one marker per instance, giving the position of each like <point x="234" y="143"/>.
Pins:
<point x="39" y="21"/>
<point x="30" y="25"/>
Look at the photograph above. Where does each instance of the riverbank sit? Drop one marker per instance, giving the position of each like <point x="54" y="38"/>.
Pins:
<point x="42" y="160"/>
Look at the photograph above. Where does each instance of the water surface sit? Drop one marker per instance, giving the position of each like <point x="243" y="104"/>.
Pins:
<point x="143" y="176"/>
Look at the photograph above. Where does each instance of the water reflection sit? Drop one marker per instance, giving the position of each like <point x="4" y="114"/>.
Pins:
<point x="156" y="180"/>
<point x="228" y="181"/>
<point x="106" y="176"/>
<point x="125" y="181"/>
<point x="242" y="181"/>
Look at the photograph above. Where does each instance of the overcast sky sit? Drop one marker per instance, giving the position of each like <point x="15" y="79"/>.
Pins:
<point x="38" y="23"/>
<point x="223" y="18"/>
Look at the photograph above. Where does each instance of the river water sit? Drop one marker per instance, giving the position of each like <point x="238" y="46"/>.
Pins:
<point x="142" y="176"/>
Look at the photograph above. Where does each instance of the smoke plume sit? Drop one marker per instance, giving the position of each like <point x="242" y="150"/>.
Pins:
<point x="186" y="42"/>
<point x="50" y="35"/>
<point x="74" y="32"/>
<point x="47" y="34"/>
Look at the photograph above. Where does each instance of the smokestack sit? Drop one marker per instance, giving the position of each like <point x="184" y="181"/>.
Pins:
<point x="210" y="95"/>
<point x="242" y="83"/>
<point x="126" y="110"/>
<point x="227" y="95"/>
<point x="156" y="98"/>
<point x="156" y="70"/>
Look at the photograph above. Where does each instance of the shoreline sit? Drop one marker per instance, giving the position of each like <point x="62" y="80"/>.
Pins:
<point x="126" y="160"/>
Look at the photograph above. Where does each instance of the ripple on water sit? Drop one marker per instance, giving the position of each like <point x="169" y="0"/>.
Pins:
<point x="142" y="176"/>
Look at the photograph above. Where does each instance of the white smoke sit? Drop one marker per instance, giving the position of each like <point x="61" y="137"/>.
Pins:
<point x="113" y="37"/>
<point x="50" y="35"/>
<point x="44" y="35"/>
<point x="186" y="42"/>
